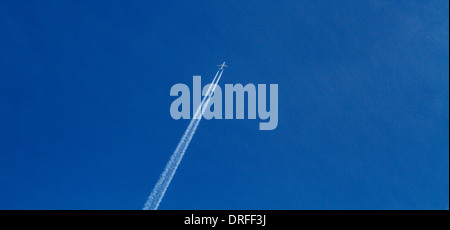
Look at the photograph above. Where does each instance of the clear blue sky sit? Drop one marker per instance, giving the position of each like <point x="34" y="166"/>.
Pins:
<point x="363" y="104"/>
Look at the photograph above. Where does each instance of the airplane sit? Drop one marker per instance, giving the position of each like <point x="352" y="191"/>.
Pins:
<point x="223" y="65"/>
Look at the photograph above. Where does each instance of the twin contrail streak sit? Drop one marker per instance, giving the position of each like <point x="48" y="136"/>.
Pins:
<point x="163" y="183"/>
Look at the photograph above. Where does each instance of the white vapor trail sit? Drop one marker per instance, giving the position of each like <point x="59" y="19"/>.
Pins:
<point x="166" y="177"/>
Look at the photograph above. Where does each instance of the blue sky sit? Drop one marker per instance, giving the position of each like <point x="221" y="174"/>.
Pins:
<point x="363" y="104"/>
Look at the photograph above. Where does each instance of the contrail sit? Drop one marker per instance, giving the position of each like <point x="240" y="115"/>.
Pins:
<point x="166" y="177"/>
